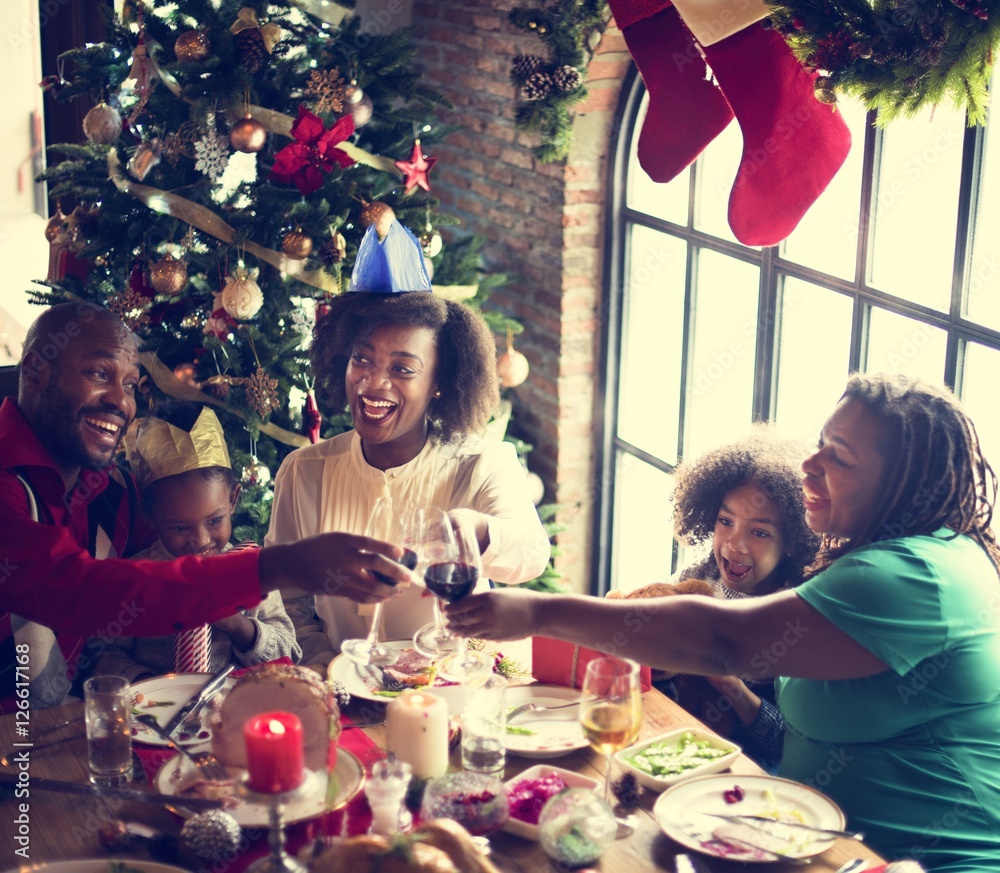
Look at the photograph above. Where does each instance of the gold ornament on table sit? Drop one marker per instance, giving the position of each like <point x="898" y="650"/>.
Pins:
<point x="241" y="295"/>
<point x="262" y="393"/>
<point x="297" y="245"/>
<point x="512" y="366"/>
<point x="169" y="275"/>
<point x="102" y="125"/>
<point x="192" y="46"/>
<point x="248" y="135"/>
<point x="326" y="90"/>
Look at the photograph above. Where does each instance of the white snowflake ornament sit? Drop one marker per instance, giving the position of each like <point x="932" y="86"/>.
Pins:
<point x="212" y="156"/>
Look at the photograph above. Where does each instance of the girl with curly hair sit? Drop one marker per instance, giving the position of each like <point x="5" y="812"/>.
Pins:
<point x="746" y="499"/>
<point x="418" y="375"/>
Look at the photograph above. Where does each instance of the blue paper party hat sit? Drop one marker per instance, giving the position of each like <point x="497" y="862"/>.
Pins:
<point x="391" y="265"/>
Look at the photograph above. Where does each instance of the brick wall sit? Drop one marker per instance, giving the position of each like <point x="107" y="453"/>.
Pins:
<point x="544" y="223"/>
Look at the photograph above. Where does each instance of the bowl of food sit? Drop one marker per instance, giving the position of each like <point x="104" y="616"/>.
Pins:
<point x="673" y="757"/>
<point x="528" y="793"/>
<point x="477" y="801"/>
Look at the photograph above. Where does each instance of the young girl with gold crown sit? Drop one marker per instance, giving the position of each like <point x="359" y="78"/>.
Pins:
<point x="189" y="494"/>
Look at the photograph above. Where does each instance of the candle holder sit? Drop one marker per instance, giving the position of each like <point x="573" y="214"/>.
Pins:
<point x="278" y="861"/>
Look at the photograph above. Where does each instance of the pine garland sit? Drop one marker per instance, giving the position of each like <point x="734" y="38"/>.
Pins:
<point x="548" y="88"/>
<point x="897" y="56"/>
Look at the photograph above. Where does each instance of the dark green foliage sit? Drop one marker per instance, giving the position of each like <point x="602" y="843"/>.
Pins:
<point x="897" y="57"/>
<point x="566" y="28"/>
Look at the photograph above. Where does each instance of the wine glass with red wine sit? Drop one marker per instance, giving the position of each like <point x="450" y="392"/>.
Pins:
<point x="395" y="525"/>
<point x="438" y="557"/>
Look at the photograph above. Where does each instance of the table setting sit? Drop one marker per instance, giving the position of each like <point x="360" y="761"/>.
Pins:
<point x="379" y="763"/>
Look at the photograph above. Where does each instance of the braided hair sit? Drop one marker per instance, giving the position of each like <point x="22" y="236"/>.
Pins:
<point x="761" y="459"/>
<point x="935" y="476"/>
<point x="466" y="350"/>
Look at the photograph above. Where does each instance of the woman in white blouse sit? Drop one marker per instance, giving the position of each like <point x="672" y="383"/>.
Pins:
<point x="418" y="374"/>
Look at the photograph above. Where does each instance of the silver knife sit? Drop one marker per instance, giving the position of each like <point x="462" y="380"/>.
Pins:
<point x="763" y="819"/>
<point x="9" y="780"/>
<point x="198" y="700"/>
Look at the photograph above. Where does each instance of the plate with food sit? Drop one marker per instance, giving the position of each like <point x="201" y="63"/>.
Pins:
<point x="410" y="668"/>
<point x="84" y="865"/>
<point x="550" y="727"/>
<point x="673" y="757"/>
<point x="703" y="814"/>
<point x="162" y="696"/>
<point x="180" y="778"/>
<point x="528" y="793"/>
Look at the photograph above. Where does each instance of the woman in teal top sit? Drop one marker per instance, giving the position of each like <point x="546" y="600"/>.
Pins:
<point x="890" y="652"/>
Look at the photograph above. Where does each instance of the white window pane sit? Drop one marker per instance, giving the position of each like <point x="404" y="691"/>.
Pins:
<point x="826" y="238"/>
<point x="897" y="344"/>
<point x="652" y="337"/>
<point x="814" y="342"/>
<point x="979" y="396"/>
<point x="716" y="173"/>
<point x="643" y="518"/>
<point x="720" y="377"/>
<point x="982" y="303"/>
<point x="667" y="201"/>
<point x="916" y="207"/>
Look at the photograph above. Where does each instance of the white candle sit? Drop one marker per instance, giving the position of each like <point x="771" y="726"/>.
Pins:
<point x="417" y="732"/>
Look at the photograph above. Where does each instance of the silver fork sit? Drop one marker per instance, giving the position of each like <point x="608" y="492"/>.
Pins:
<point x="210" y="766"/>
<point x="537" y="707"/>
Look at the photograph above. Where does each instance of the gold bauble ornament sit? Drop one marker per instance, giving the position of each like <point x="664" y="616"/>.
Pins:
<point x="362" y="111"/>
<point x="378" y="213"/>
<point x="169" y="275"/>
<point x="241" y="296"/>
<point x="823" y="91"/>
<point x="353" y="94"/>
<point x="192" y="46"/>
<point x="296" y="244"/>
<point x="102" y="125"/>
<point x="431" y="243"/>
<point x="512" y="366"/>
<point x="248" y="135"/>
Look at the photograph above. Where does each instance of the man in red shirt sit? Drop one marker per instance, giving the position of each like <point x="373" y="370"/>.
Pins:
<point x="68" y="519"/>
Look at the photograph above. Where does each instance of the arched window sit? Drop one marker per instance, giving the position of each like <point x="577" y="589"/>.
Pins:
<point x="895" y="268"/>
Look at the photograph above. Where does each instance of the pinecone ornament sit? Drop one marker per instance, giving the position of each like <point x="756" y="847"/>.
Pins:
<point x="627" y="790"/>
<point x="537" y="86"/>
<point x="211" y="835"/>
<point x="567" y="78"/>
<point x="525" y="65"/>
<point x="251" y="50"/>
<point x="333" y="250"/>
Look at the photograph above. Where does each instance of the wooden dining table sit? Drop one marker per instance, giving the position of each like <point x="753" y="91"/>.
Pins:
<point x="65" y="826"/>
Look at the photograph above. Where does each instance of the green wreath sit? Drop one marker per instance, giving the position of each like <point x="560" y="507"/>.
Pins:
<point x="897" y="56"/>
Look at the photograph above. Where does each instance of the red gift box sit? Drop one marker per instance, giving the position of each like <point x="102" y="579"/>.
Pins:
<point x="556" y="662"/>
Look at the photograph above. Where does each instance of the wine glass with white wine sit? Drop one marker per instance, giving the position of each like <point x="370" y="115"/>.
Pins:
<point x="611" y="708"/>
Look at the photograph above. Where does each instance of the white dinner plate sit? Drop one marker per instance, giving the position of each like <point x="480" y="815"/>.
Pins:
<point x="552" y="733"/>
<point x="96" y="866"/>
<point x="363" y="685"/>
<point x="684" y="813"/>
<point x="162" y="696"/>
<point x="349" y="772"/>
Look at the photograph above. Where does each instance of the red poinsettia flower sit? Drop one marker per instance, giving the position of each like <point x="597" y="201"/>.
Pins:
<point x="313" y="153"/>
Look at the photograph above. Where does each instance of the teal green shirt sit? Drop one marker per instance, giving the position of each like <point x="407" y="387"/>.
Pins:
<point x="912" y="755"/>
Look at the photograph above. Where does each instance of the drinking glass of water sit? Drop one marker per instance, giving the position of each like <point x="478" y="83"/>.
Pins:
<point x="108" y="707"/>
<point x="484" y="725"/>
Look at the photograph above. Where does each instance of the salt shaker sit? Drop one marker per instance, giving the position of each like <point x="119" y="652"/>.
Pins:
<point x="386" y="791"/>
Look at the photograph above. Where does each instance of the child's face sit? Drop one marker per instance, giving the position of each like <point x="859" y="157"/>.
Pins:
<point x="748" y="543"/>
<point x="194" y="517"/>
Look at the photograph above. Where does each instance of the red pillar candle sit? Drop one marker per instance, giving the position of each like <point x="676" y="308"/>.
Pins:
<point x="274" y="752"/>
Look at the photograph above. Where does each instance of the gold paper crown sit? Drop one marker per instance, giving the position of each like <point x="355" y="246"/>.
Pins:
<point x="159" y="449"/>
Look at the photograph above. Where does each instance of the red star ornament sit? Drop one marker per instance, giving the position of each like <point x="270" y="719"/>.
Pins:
<point x="415" y="170"/>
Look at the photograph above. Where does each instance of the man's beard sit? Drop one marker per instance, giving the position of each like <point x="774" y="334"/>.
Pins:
<point x="60" y="430"/>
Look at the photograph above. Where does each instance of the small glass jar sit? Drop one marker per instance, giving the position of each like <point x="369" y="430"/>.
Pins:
<point x="576" y="826"/>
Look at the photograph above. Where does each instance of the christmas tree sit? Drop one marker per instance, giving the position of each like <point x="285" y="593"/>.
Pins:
<point x="234" y="158"/>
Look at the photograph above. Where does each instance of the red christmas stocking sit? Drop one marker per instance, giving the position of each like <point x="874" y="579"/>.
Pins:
<point x="686" y="110"/>
<point x="793" y="145"/>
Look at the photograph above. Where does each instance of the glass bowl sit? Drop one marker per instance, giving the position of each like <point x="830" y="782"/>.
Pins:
<point x="576" y="827"/>
<point x="477" y="801"/>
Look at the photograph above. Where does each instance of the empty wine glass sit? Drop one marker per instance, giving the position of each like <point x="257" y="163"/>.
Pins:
<point x="397" y="526"/>
<point x="611" y="708"/>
